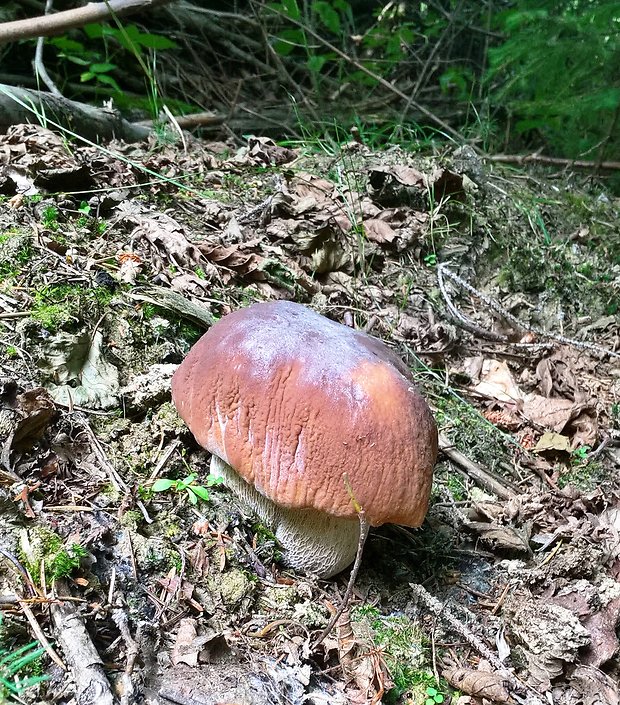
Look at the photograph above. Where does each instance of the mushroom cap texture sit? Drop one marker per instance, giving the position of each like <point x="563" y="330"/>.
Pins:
<point x="293" y="401"/>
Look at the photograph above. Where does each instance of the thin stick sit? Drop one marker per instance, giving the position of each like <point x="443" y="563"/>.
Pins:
<point x="40" y="636"/>
<point x="364" y="527"/>
<point x="475" y="471"/>
<point x="494" y="305"/>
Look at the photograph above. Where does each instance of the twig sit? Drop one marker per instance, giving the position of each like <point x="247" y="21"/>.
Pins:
<point x="92" y="686"/>
<point x="457" y="626"/>
<point x="364" y="527"/>
<point x="39" y="66"/>
<point x="553" y="161"/>
<point x="467" y="323"/>
<point x="132" y="650"/>
<point x="38" y="632"/>
<point x="475" y="471"/>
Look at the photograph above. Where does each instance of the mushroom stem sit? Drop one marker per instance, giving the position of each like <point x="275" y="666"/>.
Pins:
<point x="312" y="541"/>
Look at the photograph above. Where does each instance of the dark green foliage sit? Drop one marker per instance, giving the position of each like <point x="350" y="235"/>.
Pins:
<point x="558" y="74"/>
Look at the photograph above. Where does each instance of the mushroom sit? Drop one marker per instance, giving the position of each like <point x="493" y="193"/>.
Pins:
<point x="302" y="415"/>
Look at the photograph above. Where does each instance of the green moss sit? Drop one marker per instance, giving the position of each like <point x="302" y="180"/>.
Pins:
<point x="42" y="545"/>
<point x="15" y="252"/>
<point x="468" y="429"/>
<point x="65" y="306"/>
<point x="585" y="476"/>
<point x="405" y="649"/>
<point x="557" y="248"/>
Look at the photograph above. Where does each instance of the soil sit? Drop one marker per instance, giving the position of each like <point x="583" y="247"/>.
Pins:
<point x="499" y="288"/>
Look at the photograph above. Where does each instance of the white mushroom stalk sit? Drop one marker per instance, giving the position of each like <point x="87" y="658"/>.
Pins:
<point x="312" y="542"/>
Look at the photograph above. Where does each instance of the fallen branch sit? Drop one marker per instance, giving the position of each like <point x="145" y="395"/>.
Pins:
<point x="475" y="471"/>
<point x="457" y="625"/>
<point x="553" y="161"/>
<point x="60" y="22"/>
<point x="468" y="324"/>
<point x="85" y="664"/>
<point x="23" y="105"/>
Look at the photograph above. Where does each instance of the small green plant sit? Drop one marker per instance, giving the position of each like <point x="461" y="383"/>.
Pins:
<point x="11" y="351"/>
<point x="50" y="217"/>
<point x="433" y="696"/>
<point x="580" y="455"/>
<point x="13" y="663"/>
<point x="66" y="561"/>
<point x="188" y="485"/>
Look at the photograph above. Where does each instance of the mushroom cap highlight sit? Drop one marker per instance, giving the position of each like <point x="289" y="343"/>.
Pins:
<point x="295" y="403"/>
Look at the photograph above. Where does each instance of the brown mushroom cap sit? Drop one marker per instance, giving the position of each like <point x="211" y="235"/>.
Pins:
<point x="292" y="401"/>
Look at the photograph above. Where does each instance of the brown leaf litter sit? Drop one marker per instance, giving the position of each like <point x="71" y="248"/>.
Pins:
<point x="188" y="604"/>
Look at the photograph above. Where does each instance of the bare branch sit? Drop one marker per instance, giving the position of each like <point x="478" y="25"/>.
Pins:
<point x="47" y="25"/>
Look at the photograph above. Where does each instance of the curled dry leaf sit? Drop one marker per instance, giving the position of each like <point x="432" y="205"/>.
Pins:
<point x="263" y="150"/>
<point x="183" y="650"/>
<point x="23" y="416"/>
<point x="168" y="237"/>
<point x="595" y="687"/>
<point x="480" y="684"/>
<point x="494" y="379"/>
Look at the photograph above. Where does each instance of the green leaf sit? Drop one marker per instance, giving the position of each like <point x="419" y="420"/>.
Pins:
<point x="431" y="691"/>
<point x="163" y="485"/>
<point x="67" y="45"/>
<point x="93" y="31"/>
<point x="157" y="42"/>
<point x="291" y="9"/>
<point x="316" y="63"/>
<point x="87" y="76"/>
<point x="328" y="16"/>
<point x="288" y="40"/>
<point x="201" y="492"/>
<point x="192" y="497"/>
<point x="102" y="68"/>
<point x="108" y="80"/>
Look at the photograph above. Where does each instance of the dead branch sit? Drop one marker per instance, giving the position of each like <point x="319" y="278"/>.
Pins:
<point x="554" y="161"/>
<point x="475" y="471"/>
<point x="458" y="626"/>
<point x="86" y="666"/>
<point x="468" y="324"/>
<point x="47" y="25"/>
<point x="22" y="105"/>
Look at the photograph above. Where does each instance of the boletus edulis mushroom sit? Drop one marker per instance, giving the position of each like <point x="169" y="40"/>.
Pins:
<point x="301" y="414"/>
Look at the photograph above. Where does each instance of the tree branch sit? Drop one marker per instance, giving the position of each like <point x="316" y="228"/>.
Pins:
<point x="47" y="25"/>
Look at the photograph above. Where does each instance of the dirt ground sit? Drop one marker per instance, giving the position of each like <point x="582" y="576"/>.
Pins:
<point x="499" y="286"/>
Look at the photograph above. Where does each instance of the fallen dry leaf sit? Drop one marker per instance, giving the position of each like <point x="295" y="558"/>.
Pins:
<point x="595" y="687"/>
<point x="552" y="441"/>
<point x="184" y="650"/>
<point x="494" y="379"/>
<point x="480" y="684"/>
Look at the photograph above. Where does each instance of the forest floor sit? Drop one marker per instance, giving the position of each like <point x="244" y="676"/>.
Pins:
<point x="499" y="286"/>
